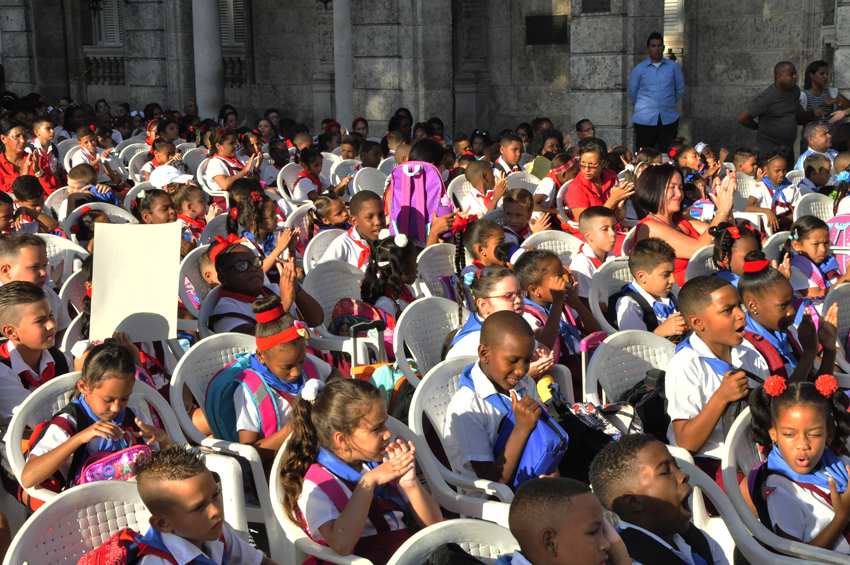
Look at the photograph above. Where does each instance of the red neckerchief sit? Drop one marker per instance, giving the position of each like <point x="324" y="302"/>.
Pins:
<point x="304" y="174"/>
<point x="288" y="144"/>
<point x="232" y="163"/>
<point x="156" y="163"/>
<point x="88" y="155"/>
<point x="242" y="297"/>
<point x="487" y="198"/>
<point x="48" y="373"/>
<point x="524" y="233"/>
<point x="37" y="144"/>
<point x="470" y="153"/>
<point x="405" y="294"/>
<point x="200" y="223"/>
<point x="150" y="362"/>
<point x="478" y="264"/>
<point x="364" y="249"/>
<point x="591" y="255"/>
<point x="554" y="178"/>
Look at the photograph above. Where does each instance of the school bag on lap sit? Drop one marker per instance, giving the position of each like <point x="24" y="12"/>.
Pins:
<point x="125" y="547"/>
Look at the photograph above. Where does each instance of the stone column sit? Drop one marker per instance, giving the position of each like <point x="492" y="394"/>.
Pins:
<point x="209" y="64"/>
<point x="343" y="59"/>
<point x="841" y="55"/>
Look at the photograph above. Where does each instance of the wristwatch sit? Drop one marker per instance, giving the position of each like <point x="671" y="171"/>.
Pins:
<point x="39" y="174"/>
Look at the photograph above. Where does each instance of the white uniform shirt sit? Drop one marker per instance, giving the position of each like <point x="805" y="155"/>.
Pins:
<point x="82" y="157"/>
<point x="347" y="248"/>
<point x="36" y="147"/>
<point x="304" y="186"/>
<point x="268" y="174"/>
<point x="238" y="552"/>
<point x="830" y="154"/>
<point x="583" y="268"/>
<point x="682" y="550"/>
<point x="226" y="305"/>
<point x="549" y="189"/>
<point x="468" y="345"/>
<point x="691" y="382"/>
<point x="217" y="166"/>
<point x="393" y="307"/>
<point x="629" y="314"/>
<point x="12" y="391"/>
<point x="791" y="194"/>
<point x="474" y="201"/>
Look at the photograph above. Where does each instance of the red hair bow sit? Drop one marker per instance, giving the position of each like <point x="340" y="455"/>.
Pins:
<point x="460" y="223"/>
<point x="826" y="385"/>
<point x="256" y="197"/>
<point x="756" y="266"/>
<point x="84" y="209"/>
<point x="673" y="152"/>
<point x="774" y="385"/>
<point x="91" y="127"/>
<point x="88" y="292"/>
<point x="234" y="213"/>
<point x="734" y="232"/>
<point x="75" y="228"/>
<point x="223" y="243"/>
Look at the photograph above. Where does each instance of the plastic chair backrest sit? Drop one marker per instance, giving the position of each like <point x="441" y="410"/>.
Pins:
<point x="60" y="249"/>
<point x="773" y="245"/>
<point x="435" y="261"/>
<point x="818" y="205"/>
<point x="65" y="146"/>
<point x="341" y="169"/>
<point x="387" y="165"/>
<point x="130" y="150"/>
<point x="298" y="219"/>
<point x="73" y="291"/>
<point x="116" y="215"/>
<point x="55" y="201"/>
<point x="368" y="179"/>
<point x="289" y="174"/>
<point x="609" y="279"/>
<point x="328" y="159"/>
<point x="458" y="189"/>
<point x="133" y="192"/>
<point x="623" y="359"/>
<point x="701" y="263"/>
<point x="186" y="146"/>
<point x="124" y="144"/>
<point x="331" y="281"/>
<point x="565" y="245"/>
<point x="795" y="176"/>
<point x="485" y="541"/>
<point x="841" y="295"/>
<point x="561" y="201"/>
<point x="497" y="216"/>
<point x="135" y="166"/>
<point x="629" y="242"/>
<point x="216" y="226"/>
<point x="522" y="179"/>
<point x="193" y="157"/>
<point x="206" y="310"/>
<point x="200" y="176"/>
<point x="337" y="151"/>
<point x="190" y="269"/>
<point x="66" y="160"/>
<point x="746" y="186"/>
<point x="317" y="247"/>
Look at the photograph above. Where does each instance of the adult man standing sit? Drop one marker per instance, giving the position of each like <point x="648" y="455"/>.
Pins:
<point x="778" y="111"/>
<point x="655" y="86"/>
<point x="819" y="140"/>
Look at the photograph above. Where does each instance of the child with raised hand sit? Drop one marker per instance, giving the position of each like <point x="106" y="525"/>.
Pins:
<point x="559" y="521"/>
<point x="598" y="226"/>
<point x="367" y="219"/>
<point x="328" y="212"/>
<point x="639" y="479"/>
<point x="519" y="224"/>
<point x="46" y="154"/>
<point x="801" y="426"/>
<point x="775" y="196"/>
<point x="255" y="219"/>
<point x="342" y="472"/>
<point x="91" y="154"/>
<point x="97" y="421"/>
<point x="814" y="270"/>
<point x="392" y="269"/>
<point x="769" y="300"/>
<point x="731" y="245"/>
<point x="487" y="191"/>
<point x="224" y="166"/>
<point x="154" y="206"/>
<point x="310" y="183"/>
<point x="162" y="153"/>
<point x="192" y="210"/>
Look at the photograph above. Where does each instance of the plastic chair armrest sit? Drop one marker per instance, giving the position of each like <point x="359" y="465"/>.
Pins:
<point x="325" y="553"/>
<point x="593" y="339"/>
<point x="500" y="491"/>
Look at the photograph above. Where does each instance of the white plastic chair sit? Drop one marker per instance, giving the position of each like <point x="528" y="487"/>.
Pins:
<point x="485" y="541"/>
<point x="56" y="200"/>
<point x="206" y="310"/>
<point x="561" y="203"/>
<point x="133" y="192"/>
<point x="128" y="151"/>
<point x="211" y="190"/>
<point x="458" y="189"/>
<point x="71" y="336"/>
<point x="622" y="360"/>
<point x="65" y="251"/>
<point x="701" y="263"/>
<point x="434" y="261"/>
<point x="387" y="165"/>
<point x="194" y="157"/>
<point x="65" y="146"/>
<point x="137" y="161"/>
<point x="317" y="247"/>
<point x="73" y="292"/>
<point x="216" y="226"/>
<point x="287" y="176"/>
<point x="341" y="169"/>
<point x="423" y="327"/>
<point x="773" y="245"/>
<point x="190" y="269"/>
<point x="66" y="160"/>
<point x="818" y="205"/>
<point x="116" y="215"/>
<point x="746" y="186"/>
<point x="124" y="144"/>
<point x="337" y="151"/>
<point x="563" y="244"/>
<point x="843" y="207"/>
<point x="629" y="242"/>
<point x="522" y="179"/>
<point x="497" y="216"/>
<point x="795" y="176"/>
<point x="186" y="146"/>
<point x="740" y="452"/>
<point x="328" y="159"/>
<point x="195" y="370"/>
<point x="368" y="179"/>
<point x="612" y="275"/>
<point x="298" y="219"/>
<point x="841" y="295"/>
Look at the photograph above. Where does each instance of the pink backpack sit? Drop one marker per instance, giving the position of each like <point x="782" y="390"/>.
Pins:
<point x="840" y="237"/>
<point x="350" y="311"/>
<point x="113" y="466"/>
<point x="417" y="192"/>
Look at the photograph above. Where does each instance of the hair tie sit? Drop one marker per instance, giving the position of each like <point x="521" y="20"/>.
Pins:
<point x="270" y="316"/>
<point x="330" y="125"/>
<point x="400" y="240"/>
<point x="794" y="236"/>
<point x="92" y="128"/>
<point x="826" y="385"/>
<point x="756" y="266"/>
<point x="673" y="152"/>
<point x="734" y="232"/>
<point x="84" y="209"/>
<point x="311" y="389"/>
<point x="843" y="176"/>
<point x="774" y="385"/>
<point x="256" y="197"/>
<point x="383" y="263"/>
<point x="297" y="331"/>
<point x="384" y="234"/>
<point x="222" y="243"/>
<point x="75" y="228"/>
<point x="357" y="120"/>
<point x="482" y="272"/>
<point x="234" y="212"/>
<point x="88" y="292"/>
<point x="460" y="223"/>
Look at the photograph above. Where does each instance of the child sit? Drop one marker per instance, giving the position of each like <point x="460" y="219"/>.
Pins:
<point x="310" y="183"/>
<point x="302" y="141"/>
<point x="154" y="206"/>
<point x="559" y="521"/>
<point x="192" y="210"/>
<point x="350" y="147"/>
<point x="769" y="300"/>
<point x="279" y="156"/>
<point x="97" y="421"/>
<point x="7" y="214"/>
<point x="598" y="226"/>
<point x="29" y="358"/>
<point x="327" y="212"/>
<point x="746" y="162"/>
<point x="546" y="193"/>
<point x="91" y="154"/>
<point x="162" y="153"/>
<point x="29" y="194"/>
<point x="814" y="271"/>
<point x="711" y="368"/>
<point x="254" y="218"/>
<point x="638" y="479"/>
<point x="646" y="303"/>
<point x="800" y="426"/>
<point x="224" y="166"/>
<point x="519" y="205"/>
<point x="731" y="245"/>
<point x="43" y="148"/>
<point x="817" y="170"/>
<point x="83" y="230"/>
<point x="392" y="269"/>
<point x="510" y="152"/>
<point x="367" y="220"/>
<point x="281" y="360"/>
<point x="486" y="193"/>
<point x="479" y="238"/>
<point x="370" y="154"/>
<point x="83" y="178"/>
<point x="187" y="512"/>
<point x="775" y="196"/>
<point x="488" y="390"/>
<point x="341" y="450"/>
<point x="172" y="176"/>
<point x="395" y="139"/>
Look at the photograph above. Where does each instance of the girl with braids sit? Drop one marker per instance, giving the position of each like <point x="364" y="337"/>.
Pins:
<point x="814" y="270"/>
<point x="731" y="245"/>
<point x="328" y="212"/>
<point x="154" y="206"/>
<point x="802" y="488"/>
<point x="83" y="230"/>
<point x="775" y="195"/>
<point x="392" y="269"/>
<point x="251" y="144"/>
<point x="341" y="451"/>
<point x="224" y="166"/>
<point x="479" y="238"/>
<point x="255" y="219"/>
<point x="769" y="301"/>
<point x="162" y="153"/>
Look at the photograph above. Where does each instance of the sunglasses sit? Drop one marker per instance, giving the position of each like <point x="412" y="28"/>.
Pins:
<point x="245" y="264"/>
<point x="510" y="296"/>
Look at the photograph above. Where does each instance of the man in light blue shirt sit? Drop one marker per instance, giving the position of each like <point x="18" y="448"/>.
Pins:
<point x="655" y="86"/>
<point x="819" y="141"/>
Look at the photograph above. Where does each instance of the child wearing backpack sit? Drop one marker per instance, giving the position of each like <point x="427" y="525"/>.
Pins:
<point x="647" y="303"/>
<point x="392" y="269"/>
<point x="478" y="443"/>
<point x="479" y="238"/>
<point x="801" y="490"/>
<point x="341" y="451"/>
<point x="731" y="245"/>
<point x="487" y="191"/>
<point x="96" y="423"/>
<point x="327" y="212"/>
<point x="367" y="219"/>
<point x="814" y="270"/>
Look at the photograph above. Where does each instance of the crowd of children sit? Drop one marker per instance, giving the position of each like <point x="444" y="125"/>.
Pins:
<point x="755" y="333"/>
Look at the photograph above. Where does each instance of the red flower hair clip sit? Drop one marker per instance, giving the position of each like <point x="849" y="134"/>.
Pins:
<point x="826" y="385"/>
<point x="774" y="385"/>
<point x="673" y="152"/>
<point x="256" y="197"/>
<point x="734" y="232"/>
<point x="91" y="127"/>
<point x="234" y="213"/>
<point x="84" y="209"/>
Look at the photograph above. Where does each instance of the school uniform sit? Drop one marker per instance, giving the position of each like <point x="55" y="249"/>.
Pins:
<point x="693" y="381"/>
<point x="805" y="186"/>
<point x="12" y="390"/>
<point x="516" y="238"/>
<point x="268" y="174"/>
<point x="680" y="549"/>
<point x="395" y="307"/>
<point x="472" y="423"/>
<point x="151" y="166"/>
<point x="502" y="167"/>
<point x="549" y="188"/>
<point x="233" y="309"/>
<point x="196" y="226"/>
<point x="830" y="154"/>
<point x="630" y="315"/>
<point x="307" y="184"/>
<point x="351" y="248"/>
<point x="229" y="549"/>
<point x="781" y="200"/>
<point x="83" y="157"/>
<point x="584" y="265"/>
<point x="568" y="332"/>
<point x="219" y="165"/>
<point x="477" y="203"/>
<point x="516" y="558"/>
<point x="805" y="275"/>
<point x="48" y="156"/>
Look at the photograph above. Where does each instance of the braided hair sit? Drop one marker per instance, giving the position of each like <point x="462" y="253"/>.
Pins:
<point x="248" y="213"/>
<point x="477" y="232"/>
<point x="387" y="262"/>
<point x="724" y="242"/>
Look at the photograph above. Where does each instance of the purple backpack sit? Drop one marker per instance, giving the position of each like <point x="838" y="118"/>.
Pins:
<point x="417" y="192"/>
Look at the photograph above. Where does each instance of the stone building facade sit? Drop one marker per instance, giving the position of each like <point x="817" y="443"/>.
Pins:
<point x="486" y="64"/>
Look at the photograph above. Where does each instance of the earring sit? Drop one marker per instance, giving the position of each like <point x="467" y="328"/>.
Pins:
<point x="483" y="254"/>
<point x="755" y="312"/>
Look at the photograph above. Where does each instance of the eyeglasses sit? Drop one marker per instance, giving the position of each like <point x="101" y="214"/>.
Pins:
<point x="588" y="166"/>
<point x="245" y="264"/>
<point x="510" y="296"/>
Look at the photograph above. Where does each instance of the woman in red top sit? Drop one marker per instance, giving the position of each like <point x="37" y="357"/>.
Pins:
<point x="596" y="185"/>
<point x="659" y="193"/>
<point x="14" y="161"/>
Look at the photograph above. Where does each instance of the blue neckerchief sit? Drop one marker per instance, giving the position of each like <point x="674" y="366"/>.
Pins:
<point x="324" y="227"/>
<point x="728" y="276"/>
<point x="777" y="192"/>
<point x="829" y="265"/>
<point x="104" y="444"/>
<point x="293" y="388"/>
<point x="660" y="309"/>
<point x="502" y="405"/>
<point x="268" y="243"/>
<point x="719" y="366"/>
<point x="830" y="465"/>
<point x="473" y="324"/>
<point x="154" y="539"/>
<point x="566" y="330"/>
<point x="687" y="202"/>
<point x="342" y="470"/>
<point x="779" y="340"/>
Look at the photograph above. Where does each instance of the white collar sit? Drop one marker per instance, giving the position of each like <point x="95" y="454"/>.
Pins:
<point x="588" y="252"/>
<point x="648" y="297"/>
<point x="20" y="366"/>
<point x="484" y="387"/>
<point x="37" y="144"/>
<point x="355" y="235"/>
<point x="682" y="548"/>
<point x="185" y="552"/>
<point x="807" y="183"/>
<point x="504" y="165"/>
<point x="702" y="350"/>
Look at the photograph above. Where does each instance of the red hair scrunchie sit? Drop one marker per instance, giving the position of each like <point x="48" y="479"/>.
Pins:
<point x="774" y="385"/>
<point x="756" y="266"/>
<point x="234" y="213"/>
<point x="88" y="292"/>
<point x="734" y="232"/>
<point x="84" y="209"/>
<point x="256" y="197"/>
<point x="460" y="224"/>
<point x="275" y="313"/>
<point x="826" y="385"/>
<point x="673" y="152"/>
<point x="75" y="228"/>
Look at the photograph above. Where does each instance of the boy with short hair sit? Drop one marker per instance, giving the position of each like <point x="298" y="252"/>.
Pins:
<point x="546" y="193"/>
<point x="598" y="226"/>
<point x="816" y="167"/>
<point x="207" y="269"/>
<point x="461" y="145"/>
<point x="559" y="521"/>
<point x="519" y="205"/>
<point x="370" y="154"/>
<point x="744" y="161"/>
<point x="279" y="157"/>
<point x="301" y="140"/>
<point x="646" y="303"/>
<point x="350" y="147"/>
<point x="29" y="358"/>
<point x="83" y="178"/>
<point x="395" y="139"/>
<point x="638" y="479"/>
<point x="402" y="154"/>
<point x="46" y="152"/>
<point x="510" y="152"/>
<point x="187" y="512"/>
<point x="486" y="193"/>
<point x="367" y="218"/>
<point x="93" y="155"/>
<point x="30" y="206"/>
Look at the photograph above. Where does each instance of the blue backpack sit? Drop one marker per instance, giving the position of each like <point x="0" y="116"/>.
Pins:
<point x="545" y="447"/>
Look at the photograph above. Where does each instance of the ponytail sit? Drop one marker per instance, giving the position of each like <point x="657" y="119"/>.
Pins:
<point x="302" y="449"/>
<point x="248" y="213"/>
<point x="800" y="230"/>
<point x="759" y="276"/>
<point x="387" y="260"/>
<point x="316" y="213"/>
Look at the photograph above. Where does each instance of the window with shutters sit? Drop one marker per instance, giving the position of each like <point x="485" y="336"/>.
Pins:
<point x="232" y="14"/>
<point x="674" y="24"/>
<point x="107" y="23"/>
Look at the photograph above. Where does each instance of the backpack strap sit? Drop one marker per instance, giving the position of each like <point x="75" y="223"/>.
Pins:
<point x="775" y="362"/>
<point x="809" y="269"/>
<point x="645" y="549"/>
<point x="60" y="362"/>
<point x="261" y="394"/>
<point x="647" y="313"/>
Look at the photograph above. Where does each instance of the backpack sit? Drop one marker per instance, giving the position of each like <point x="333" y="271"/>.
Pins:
<point x="396" y="389"/>
<point x="648" y="399"/>
<point x="645" y="549"/>
<point x="350" y="311"/>
<point x="220" y="410"/>
<point x="775" y="362"/>
<point x="124" y="548"/>
<point x="840" y="237"/>
<point x="545" y="447"/>
<point x="647" y="313"/>
<point x="417" y="191"/>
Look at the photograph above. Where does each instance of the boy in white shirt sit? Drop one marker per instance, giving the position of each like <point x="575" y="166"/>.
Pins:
<point x="816" y="167"/>
<point x="510" y="152"/>
<point x="598" y="225"/>
<point x="774" y="195"/>
<point x="43" y="146"/>
<point x="367" y="218"/>
<point x="486" y="193"/>
<point x="93" y="155"/>
<point x="278" y="159"/>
